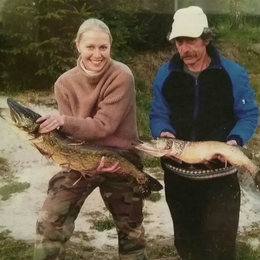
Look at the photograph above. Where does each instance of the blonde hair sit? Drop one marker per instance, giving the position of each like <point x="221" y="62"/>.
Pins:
<point x="90" y="24"/>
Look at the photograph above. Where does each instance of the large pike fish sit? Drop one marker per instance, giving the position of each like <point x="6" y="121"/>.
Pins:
<point x="198" y="152"/>
<point x="82" y="157"/>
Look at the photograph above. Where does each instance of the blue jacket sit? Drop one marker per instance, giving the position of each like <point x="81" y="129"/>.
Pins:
<point x="244" y="106"/>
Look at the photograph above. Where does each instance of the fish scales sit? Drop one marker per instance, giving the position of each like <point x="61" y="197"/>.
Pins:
<point x="82" y="157"/>
<point x="197" y="152"/>
<point x="85" y="157"/>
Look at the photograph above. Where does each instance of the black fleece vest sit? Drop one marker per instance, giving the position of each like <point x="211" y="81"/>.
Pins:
<point x="202" y="109"/>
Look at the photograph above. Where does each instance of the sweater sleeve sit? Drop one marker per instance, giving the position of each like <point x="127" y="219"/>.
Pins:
<point x="62" y="99"/>
<point x="118" y="98"/>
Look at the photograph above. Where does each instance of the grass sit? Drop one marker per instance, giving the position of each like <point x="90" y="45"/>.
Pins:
<point x="104" y="223"/>
<point x="4" y="167"/>
<point x="13" y="187"/>
<point x="8" y="185"/>
<point x="11" y="249"/>
<point x="151" y="162"/>
<point x="245" y="252"/>
<point x="155" y="196"/>
<point x="239" y="46"/>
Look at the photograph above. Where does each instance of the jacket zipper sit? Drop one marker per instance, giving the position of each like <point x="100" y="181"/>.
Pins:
<point x="196" y="109"/>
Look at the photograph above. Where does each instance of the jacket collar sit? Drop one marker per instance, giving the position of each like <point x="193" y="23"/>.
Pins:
<point x="176" y="63"/>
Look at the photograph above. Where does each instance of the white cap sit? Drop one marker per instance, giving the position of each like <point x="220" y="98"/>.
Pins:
<point x="188" y="22"/>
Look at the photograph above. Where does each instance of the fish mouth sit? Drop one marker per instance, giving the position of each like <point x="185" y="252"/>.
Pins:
<point x="19" y="112"/>
<point x="158" y="146"/>
<point x="23" y="117"/>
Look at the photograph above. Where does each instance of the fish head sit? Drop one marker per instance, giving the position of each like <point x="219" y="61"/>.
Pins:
<point x="23" y="117"/>
<point x="156" y="147"/>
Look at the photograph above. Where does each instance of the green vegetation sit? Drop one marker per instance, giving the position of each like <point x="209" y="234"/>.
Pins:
<point x="155" y="196"/>
<point x="13" y="187"/>
<point x="150" y="161"/>
<point x="245" y="252"/>
<point x="8" y="185"/>
<point x="139" y="41"/>
<point x="11" y="249"/>
<point x="3" y="167"/>
<point x="104" y="223"/>
<point x="34" y="53"/>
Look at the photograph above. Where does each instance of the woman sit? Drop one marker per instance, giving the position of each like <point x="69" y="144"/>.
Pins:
<point x="96" y="102"/>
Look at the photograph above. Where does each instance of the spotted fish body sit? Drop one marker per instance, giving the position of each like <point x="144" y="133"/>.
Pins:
<point x="85" y="157"/>
<point x="198" y="152"/>
<point x="82" y="157"/>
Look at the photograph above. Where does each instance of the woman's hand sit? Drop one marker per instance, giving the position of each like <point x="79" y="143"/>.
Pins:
<point x="49" y="123"/>
<point x="102" y="169"/>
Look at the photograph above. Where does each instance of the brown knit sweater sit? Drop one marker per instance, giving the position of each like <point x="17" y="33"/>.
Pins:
<point x="99" y="108"/>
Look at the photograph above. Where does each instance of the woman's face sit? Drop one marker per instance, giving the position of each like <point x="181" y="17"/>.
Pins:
<point x="94" y="47"/>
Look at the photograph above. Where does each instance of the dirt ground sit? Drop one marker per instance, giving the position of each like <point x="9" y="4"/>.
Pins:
<point x="19" y="211"/>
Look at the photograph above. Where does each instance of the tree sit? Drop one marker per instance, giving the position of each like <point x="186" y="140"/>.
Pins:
<point x="41" y="47"/>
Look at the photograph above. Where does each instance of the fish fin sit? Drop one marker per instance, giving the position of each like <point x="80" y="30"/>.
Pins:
<point x="208" y="165"/>
<point x="136" y="142"/>
<point x="154" y="184"/>
<point x="77" y="144"/>
<point x="214" y="163"/>
<point x="42" y="151"/>
<point x="77" y="180"/>
<point x="65" y="165"/>
<point x="175" y="159"/>
<point x="151" y="185"/>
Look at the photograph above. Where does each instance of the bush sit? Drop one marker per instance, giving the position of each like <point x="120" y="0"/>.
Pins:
<point x="42" y="46"/>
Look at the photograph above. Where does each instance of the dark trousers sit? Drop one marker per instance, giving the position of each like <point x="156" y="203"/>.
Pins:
<point x="205" y="216"/>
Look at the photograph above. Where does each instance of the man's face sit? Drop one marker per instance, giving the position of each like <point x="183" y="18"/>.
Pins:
<point x="191" y="50"/>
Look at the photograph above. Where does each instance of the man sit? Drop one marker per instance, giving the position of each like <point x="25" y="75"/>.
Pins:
<point x="199" y="95"/>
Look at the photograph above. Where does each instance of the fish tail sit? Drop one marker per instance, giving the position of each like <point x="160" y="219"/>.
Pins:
<point x="149" y="186"/>
<point x="154" y="184"/>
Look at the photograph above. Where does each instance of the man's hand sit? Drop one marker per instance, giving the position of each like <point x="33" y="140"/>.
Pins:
<point x="232" y="142"/>
<point x="167" y="134"/>
<point x="102" y="169"/>
<point x="49" y="123"/>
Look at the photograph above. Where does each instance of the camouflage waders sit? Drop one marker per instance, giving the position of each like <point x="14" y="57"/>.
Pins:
<point x="55" y="223"/>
